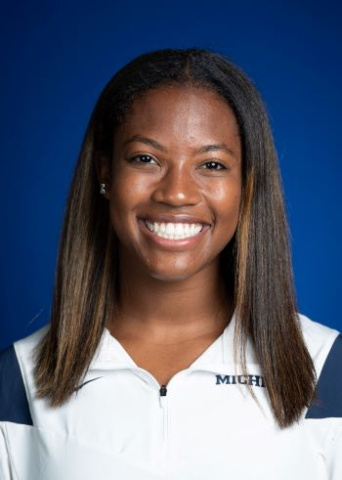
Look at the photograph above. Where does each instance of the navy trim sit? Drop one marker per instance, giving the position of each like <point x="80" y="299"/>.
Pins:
<point x="329" y="387"/>
<point x="14" y="406"/>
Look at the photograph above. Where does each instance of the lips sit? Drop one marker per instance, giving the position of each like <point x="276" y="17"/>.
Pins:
<point x="171" y="227"/>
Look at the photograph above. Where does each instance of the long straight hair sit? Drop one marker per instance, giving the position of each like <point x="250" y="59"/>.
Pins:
<point x="257" y="260"/>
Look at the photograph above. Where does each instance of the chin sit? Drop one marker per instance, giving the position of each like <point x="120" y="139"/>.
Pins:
<point x="170" y="277"/>
<point x="175" y="275"/>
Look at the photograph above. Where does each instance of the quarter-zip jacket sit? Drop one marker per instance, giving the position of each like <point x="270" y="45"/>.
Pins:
<point x="121" y="424"/>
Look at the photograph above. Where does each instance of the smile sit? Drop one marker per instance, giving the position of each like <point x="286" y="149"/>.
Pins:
<point x="174" y="231"/>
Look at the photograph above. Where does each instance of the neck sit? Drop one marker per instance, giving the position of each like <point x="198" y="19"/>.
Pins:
<point x="171" y="311"/>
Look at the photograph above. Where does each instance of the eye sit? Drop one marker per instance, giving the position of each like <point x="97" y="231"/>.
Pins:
<point x="143" y="159"/>
<point x="212" y="165"/>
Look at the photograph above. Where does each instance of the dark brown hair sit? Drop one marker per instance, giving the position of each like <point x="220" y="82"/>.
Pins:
<point x="258" y="257"/>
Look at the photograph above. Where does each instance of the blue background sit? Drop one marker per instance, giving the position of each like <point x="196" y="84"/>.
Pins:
<point x="56" y="58"/>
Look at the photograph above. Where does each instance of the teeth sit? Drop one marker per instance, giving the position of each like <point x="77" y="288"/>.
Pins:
<point x="170" y="228"/>
<point x="174" y="231"/>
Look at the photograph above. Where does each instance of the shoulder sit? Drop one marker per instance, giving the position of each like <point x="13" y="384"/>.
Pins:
<point x="325" y="347"/>
<point x="319" y="340"/>
<point x="15" y="362"/>
<point x="26" y="346"/>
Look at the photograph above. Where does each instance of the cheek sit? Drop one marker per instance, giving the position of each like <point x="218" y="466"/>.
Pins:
<point x="119" y="203"/>
<point x="130" y="187"/>
<point x="127" y="192"/>
<point x="227" y="201"/>
<point x="227" y="217"/>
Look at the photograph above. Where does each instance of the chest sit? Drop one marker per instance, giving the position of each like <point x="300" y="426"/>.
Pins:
<point x="201" y="429"/>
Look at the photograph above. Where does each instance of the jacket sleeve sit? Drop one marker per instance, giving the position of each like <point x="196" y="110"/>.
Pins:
<point x="5" y="467"/>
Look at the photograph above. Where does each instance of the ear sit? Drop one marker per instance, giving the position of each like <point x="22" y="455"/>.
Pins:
<point x="103" y="169"/>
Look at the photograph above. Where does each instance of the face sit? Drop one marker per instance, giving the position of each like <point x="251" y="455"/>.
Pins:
<point x="174" y="185"/>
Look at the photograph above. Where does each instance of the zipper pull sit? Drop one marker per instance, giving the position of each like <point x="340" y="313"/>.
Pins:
<point x="163" y="391"/>
<point x="162" y="396"/>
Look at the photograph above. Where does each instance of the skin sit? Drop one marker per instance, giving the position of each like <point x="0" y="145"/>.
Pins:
<point x="173" y="303"/>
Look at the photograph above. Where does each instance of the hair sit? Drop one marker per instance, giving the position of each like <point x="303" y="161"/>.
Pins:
<point x="258" y="257"/>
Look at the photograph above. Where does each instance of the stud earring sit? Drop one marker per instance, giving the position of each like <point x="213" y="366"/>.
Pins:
<point x="103" y="190"/>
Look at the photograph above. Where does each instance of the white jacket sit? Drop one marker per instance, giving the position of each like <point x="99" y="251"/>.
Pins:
<point x="120" y="426"/>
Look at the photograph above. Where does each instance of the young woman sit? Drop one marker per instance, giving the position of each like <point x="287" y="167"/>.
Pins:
<point x="174" y="349"/>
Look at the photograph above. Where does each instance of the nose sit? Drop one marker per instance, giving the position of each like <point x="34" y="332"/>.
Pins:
<point x="177" y="188"/>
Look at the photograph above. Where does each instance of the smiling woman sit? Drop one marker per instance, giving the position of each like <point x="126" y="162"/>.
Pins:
<point x="174" y="319"/>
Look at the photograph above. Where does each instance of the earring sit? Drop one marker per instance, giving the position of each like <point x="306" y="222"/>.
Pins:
<point x="103" y="190"/>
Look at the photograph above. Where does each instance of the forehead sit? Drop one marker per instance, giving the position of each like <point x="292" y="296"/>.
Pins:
<point x="180" y="112"/>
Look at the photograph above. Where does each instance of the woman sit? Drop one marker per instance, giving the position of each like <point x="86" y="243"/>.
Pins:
<point x="174" y="349"/>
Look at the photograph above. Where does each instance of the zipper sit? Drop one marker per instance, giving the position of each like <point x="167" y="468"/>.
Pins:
<point x="162" y="391"/>
<point x="163" y="401"/>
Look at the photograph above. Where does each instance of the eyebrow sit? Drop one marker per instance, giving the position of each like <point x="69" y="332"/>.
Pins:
<point x="205" y="149"/>
<point x="147" y="141"/>
<point x="215" y="147"/>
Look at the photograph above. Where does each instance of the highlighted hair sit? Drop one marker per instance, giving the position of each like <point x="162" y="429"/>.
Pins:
<point x="257" y="261"/>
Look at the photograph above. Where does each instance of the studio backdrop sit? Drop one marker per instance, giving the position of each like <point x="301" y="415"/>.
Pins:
<point x="57" y="57"/>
